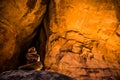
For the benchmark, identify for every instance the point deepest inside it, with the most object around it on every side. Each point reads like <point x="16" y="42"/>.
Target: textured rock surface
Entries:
<point x="19" y="20"/>
<point x="32" y="75"/>
<point x="83" y="36"/>
<point x="84" y="39"/>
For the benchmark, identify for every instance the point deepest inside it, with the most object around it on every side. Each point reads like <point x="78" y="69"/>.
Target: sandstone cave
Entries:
<point x="76" y="38"/>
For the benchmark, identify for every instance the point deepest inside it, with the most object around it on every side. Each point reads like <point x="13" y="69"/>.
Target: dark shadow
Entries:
<point x="39" y="42"/>
<point x="117" y="8"/>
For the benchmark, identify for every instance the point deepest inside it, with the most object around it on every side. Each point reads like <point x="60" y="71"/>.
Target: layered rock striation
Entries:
<point x="84" y="42"/>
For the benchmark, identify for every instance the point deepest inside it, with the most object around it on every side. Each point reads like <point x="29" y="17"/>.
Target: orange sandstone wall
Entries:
<point x="19" y="20"/>
<point x="84" y="40"/>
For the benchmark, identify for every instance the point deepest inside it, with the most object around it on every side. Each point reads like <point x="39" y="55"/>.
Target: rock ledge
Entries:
<point x="32" y="75"/>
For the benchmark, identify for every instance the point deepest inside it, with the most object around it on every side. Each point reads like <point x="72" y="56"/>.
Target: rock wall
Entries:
<point x="84" y="38"/>
<point x="19" y="20"/>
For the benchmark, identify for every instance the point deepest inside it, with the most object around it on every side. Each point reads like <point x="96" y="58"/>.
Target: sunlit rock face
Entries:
<point x="84" y="39"/>
<point x="19" y="20"/>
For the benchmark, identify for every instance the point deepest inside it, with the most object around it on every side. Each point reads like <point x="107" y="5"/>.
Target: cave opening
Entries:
<point x="39" y="42"/>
